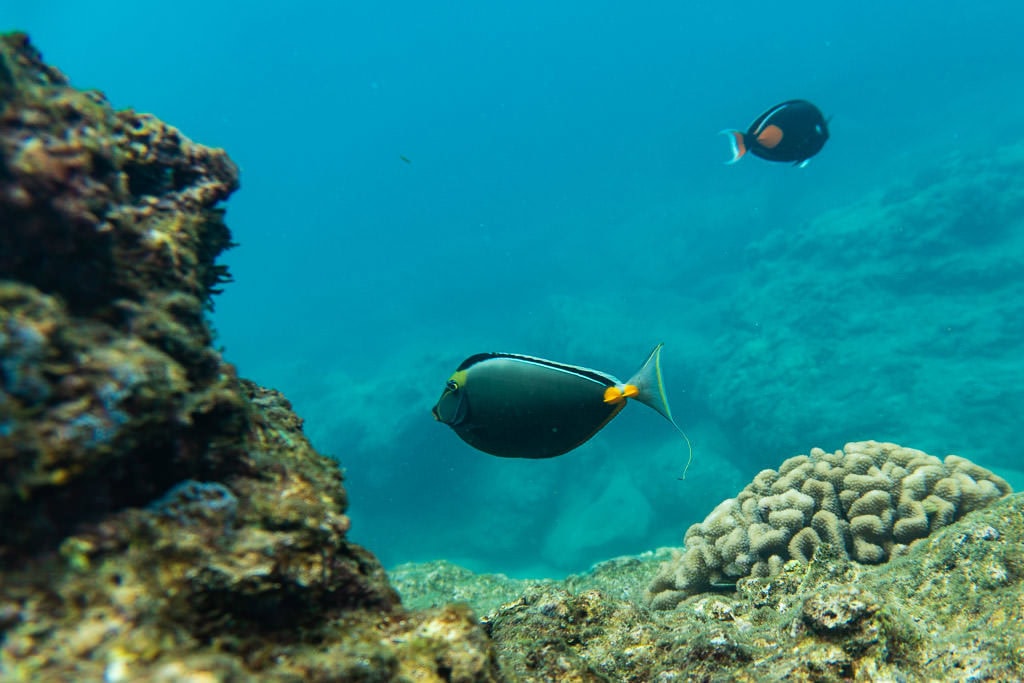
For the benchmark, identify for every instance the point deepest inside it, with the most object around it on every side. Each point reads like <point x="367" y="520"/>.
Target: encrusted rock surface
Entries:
<point x="110" y="390"/>
<point x="869" y="501"/>
<point x="163" y="520"/>
<point x="431" y="584"/>
<point x="948" y="609"/>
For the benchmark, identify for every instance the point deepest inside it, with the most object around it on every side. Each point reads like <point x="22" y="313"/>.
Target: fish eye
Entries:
<point x="452" y="385"/>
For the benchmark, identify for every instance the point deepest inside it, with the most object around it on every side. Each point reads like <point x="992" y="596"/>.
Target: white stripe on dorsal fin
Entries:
<point x="602" y="378"/>
<point x="766" y="117"/>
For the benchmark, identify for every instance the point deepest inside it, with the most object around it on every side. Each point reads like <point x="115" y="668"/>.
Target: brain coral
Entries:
<point x="870" y="500"/>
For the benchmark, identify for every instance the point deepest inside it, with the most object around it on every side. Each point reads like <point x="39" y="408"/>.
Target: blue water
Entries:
<point x="564" y="196"/>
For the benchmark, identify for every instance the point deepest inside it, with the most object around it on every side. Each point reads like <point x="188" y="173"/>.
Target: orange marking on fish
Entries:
<point x="613" y="395"/>
<point x="770" y="137"/>
<point x="740" y="147"/>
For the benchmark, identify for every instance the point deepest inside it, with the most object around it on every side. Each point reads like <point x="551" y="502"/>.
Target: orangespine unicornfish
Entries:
<point x="793" y="131"/>
<point x="517" y="406"/>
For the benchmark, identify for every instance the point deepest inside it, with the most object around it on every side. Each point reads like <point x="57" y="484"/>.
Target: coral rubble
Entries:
<point x="162" y="518"/>
<point x="868" y="501"/>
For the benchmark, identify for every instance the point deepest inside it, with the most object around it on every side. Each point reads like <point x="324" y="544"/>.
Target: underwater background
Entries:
<point x="421" y="183"/>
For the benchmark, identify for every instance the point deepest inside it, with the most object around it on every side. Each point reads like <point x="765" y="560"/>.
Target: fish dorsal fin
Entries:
<point x="593" y="375"/>
<point x="650" y="390"/>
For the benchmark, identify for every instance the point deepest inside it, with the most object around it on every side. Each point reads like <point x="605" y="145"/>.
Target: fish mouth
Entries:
<point x="450" y="408"/>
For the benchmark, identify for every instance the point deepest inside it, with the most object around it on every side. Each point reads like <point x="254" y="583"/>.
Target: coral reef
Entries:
<point x="162" y="518"/>
<point x="947" y="609"/>
<point x="868" y="501"/>
<point x="897" y="313"/>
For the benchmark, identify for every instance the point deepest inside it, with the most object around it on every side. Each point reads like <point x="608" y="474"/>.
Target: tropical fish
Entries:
<point x="517" y="406"/>
<point x="792" y="131"/>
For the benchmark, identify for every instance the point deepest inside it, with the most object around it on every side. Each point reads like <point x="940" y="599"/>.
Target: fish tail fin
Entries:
<point x="647" y="386"/>
<point x="737" y="143"/>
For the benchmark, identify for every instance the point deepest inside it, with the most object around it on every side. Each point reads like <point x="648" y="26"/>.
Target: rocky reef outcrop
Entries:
<point x="162" y="519"/>
<point x="947" y="609"/>
<point x="111" y="391"/>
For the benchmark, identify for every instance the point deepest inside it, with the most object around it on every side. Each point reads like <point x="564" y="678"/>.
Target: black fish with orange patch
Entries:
<point x="793" y="131"/>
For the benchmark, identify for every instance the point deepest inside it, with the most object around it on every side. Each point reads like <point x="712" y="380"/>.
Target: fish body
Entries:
<point x="517" y="406"/>
<point x="793" y="131"/>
